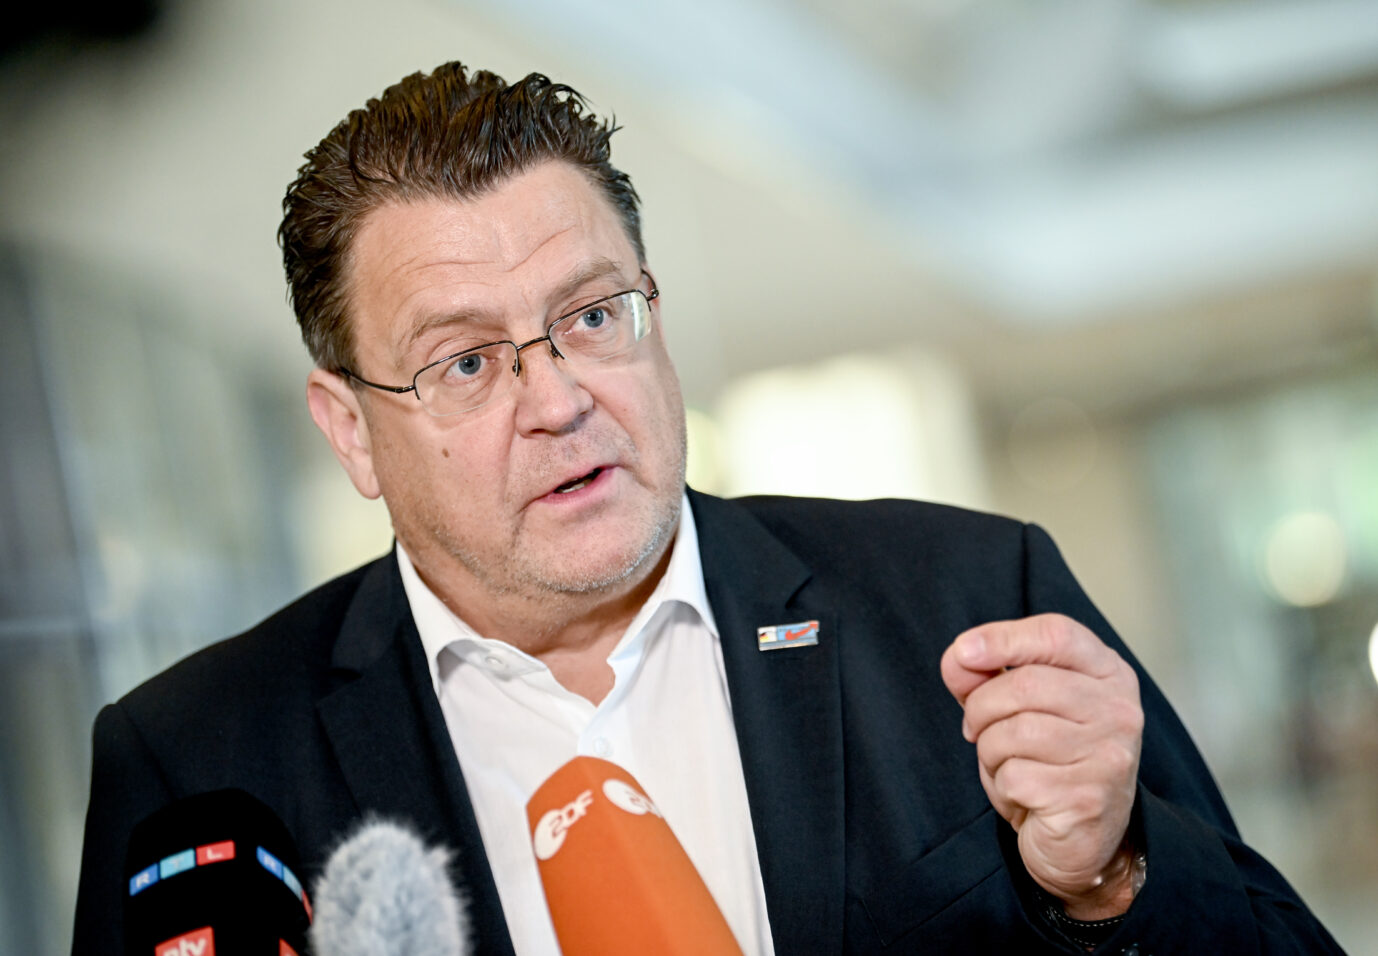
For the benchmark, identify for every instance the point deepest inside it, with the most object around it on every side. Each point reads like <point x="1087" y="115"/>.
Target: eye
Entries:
<point x="593" y="319"/>
<point x="466" y="366"/>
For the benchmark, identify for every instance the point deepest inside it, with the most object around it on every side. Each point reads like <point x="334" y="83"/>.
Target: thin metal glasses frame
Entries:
<point x="555" y="352"/>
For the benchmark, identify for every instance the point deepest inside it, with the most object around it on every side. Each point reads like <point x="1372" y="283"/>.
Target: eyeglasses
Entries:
<point x="592" y="333"/>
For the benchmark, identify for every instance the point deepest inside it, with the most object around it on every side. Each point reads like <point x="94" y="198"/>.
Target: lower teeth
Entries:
<point x="575" y="486"/>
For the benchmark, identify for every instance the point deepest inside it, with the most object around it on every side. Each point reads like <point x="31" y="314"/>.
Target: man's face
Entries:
<point x="473" y="497"/>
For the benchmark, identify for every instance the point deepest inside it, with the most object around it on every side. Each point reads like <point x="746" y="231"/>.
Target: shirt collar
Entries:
<point x="441" y="628"/>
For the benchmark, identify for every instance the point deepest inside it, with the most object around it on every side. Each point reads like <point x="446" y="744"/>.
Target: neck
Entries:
<point x="572" y="633"/>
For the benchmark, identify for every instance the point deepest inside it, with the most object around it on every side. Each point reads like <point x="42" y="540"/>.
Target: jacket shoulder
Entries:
<point x="894" y="535"/>
<point x="276" y="659"/>
<point x="780" y="512"/>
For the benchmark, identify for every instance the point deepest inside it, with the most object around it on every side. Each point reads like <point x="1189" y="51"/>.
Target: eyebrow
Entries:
<point x="581" y="275"/>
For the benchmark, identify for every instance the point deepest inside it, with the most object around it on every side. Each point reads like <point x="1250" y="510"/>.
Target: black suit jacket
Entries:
<point x="872" y="828"/>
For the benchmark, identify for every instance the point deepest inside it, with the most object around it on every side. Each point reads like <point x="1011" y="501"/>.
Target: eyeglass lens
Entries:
<point x="471" y="379"/>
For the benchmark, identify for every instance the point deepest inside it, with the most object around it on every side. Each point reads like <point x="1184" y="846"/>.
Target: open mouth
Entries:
<point x="578" y="483"/>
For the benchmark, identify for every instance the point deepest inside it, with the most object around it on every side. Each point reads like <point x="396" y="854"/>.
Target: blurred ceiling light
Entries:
<point x="1373" y="652"/>
<point x="1304" y="559"/>
<point x="853" y="427"/>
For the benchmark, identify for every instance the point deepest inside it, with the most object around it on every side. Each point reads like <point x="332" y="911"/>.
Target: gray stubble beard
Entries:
<point x="509" y="577"/>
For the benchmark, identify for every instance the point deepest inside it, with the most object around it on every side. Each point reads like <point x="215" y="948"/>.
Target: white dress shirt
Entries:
<point x="667" y="720"/>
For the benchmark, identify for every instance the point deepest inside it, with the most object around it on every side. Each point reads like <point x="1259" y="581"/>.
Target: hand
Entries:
<point x="1057" y="724"/>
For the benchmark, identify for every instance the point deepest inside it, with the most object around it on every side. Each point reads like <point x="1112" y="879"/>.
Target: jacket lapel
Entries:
<point x="786" y="706"/>
<point x="391" y="742"/>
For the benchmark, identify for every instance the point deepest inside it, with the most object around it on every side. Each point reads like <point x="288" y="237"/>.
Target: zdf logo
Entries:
<point x="552" y="827"/>
<point x="627" y="797"/>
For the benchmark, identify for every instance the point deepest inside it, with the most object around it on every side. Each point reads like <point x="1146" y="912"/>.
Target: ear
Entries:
<point x="657" y="301"/>
<point x="337" y="413"/>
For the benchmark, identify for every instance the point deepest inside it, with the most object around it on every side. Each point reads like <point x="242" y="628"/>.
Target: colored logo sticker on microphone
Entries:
<point x="199" y="942"/>
<point x="214" y="852"/>
<point x="291" y="880"/>
<point x="143" y="879"/>
<point x="776" y="636"/>
<point x="270" y="863"/>
<point x="180" y="863"/>
<point x="177" y="863"/>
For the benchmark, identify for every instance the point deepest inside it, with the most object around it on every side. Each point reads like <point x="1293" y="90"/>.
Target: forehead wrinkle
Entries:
<point x="408" y="339"/>
<point x="532" y="253"/>
<point x="598" y="268"/>
<point x="414" y="265"/>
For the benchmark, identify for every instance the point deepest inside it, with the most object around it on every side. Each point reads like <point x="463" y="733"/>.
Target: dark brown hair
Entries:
<point x="449" y="134"/>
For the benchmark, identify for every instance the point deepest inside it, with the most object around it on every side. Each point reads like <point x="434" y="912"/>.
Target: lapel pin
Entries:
<point x="776" y="636"/>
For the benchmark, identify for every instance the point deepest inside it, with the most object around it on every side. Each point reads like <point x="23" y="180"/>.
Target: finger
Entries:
<point x="1021" y="789"/>
<point x="1043" y="738"/>
<point x="1051" y="639"/>
<point x="1012" y="812"/>
<point x="1033" y="788"/>
<point x="960" y="679"/>
<point x="971" y="660"/>
<point x="1035" y="687"/>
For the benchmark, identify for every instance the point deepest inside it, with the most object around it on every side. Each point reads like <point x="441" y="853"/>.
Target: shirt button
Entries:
<point x="602" y="747"/>
<point x="495" y="662"/>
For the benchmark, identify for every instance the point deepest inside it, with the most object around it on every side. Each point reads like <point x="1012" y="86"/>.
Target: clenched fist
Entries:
<point x="1057" y="724"/>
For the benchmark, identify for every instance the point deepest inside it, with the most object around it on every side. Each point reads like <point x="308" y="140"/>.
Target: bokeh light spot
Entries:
<point x="1304" y="558"/>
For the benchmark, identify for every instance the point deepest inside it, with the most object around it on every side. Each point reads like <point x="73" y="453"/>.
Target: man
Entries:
<point x="468" y="272"/>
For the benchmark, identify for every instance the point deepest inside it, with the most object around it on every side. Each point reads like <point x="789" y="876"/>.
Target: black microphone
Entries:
<point x="214" y="873"/>
<point x="385" y="893"/>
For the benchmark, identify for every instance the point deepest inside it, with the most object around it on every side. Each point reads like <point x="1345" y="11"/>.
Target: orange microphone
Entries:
<point x="616" y="879"/>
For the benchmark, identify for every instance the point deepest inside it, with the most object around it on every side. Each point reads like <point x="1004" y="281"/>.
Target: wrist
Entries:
<point x="1113" y="890"/>
<point x="1088" y="921"/>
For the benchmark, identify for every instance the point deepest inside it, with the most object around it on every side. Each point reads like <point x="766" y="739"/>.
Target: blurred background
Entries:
<point x="1107" y="265"/>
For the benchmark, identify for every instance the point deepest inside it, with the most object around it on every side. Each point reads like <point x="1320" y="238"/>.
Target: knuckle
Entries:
<point x="1127" y="674"/>
<point x="1022" y="683"/>
<point x="1120" y="761"/>
<point x="1018" y="780"/>
<point x="987" y="750"/>
<point x="1086" y="802"/>
<point x="1115" y="761"/>
<point x="977" y="708"/>
<point x="1020" y="733"/>
<point x="1057" y="630"/>
<point x="1027" y="731"/>
<point x="1135" y="720"/>
<point x="1127" y="715"/>
<point x="1011" y="781"/>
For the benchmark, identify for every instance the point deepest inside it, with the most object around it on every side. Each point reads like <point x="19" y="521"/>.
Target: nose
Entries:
<point x="550" y="397"/>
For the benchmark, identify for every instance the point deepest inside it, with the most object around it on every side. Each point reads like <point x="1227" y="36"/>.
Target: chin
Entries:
<point x="592" y="569"/>
<point x="608" y="573"/>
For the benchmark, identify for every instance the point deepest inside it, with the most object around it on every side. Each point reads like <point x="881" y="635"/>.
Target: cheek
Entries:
<point x="413" y="461"/>
<point x="668" y="400"/>
<point x="653" y="387"/>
